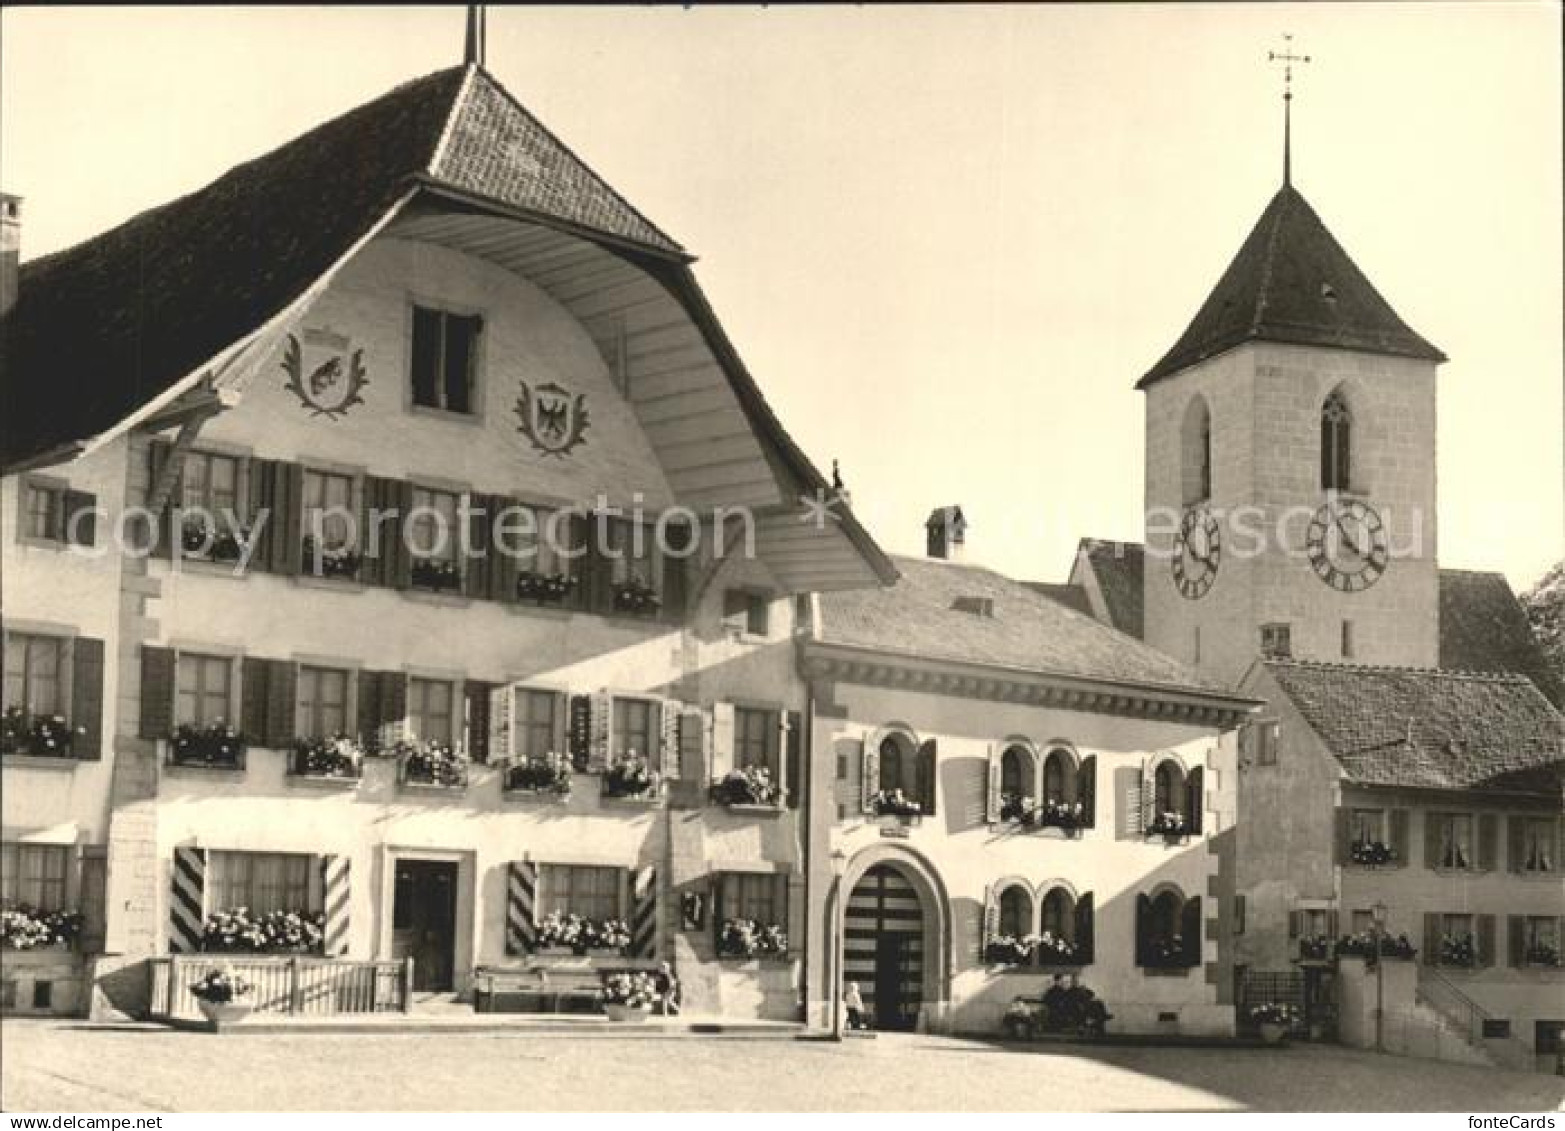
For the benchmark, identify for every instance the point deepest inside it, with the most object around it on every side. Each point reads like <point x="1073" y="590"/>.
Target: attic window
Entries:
<point x="978" y="606"/>
<point x="1328" y="293"/>
<point x="444" y="359"/>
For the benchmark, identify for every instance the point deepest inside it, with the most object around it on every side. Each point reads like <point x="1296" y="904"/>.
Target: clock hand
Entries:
<point x="1346" y="537"/>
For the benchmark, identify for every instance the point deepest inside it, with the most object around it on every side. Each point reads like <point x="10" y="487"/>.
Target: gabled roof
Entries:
<point x="1483" y="628"/>
<point x="924" y="615"/>
<point x="1292" y="282"/>
<point x="1422" y="728"/>
<point x="1118" y="568"/>
<point x="103" y="327"/>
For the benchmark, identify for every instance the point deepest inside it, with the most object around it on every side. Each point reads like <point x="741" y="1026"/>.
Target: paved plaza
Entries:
<point x="73" y="1066"/>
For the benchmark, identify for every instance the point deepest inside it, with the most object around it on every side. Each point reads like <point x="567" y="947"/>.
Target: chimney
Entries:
<point x="946" y="533"/>
<point x="10" y="249"/>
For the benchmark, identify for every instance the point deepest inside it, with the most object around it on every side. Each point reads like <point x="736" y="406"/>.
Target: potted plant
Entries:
<point x="1067" y="815"/>
<point x="329" y="561"/>
<point x="749" y="938"/>
<point x="545" y="588"/>
<point x="214" y="745"/>
<point x="199" y="538"/>
<point x="42" y="736"/>
<point x="1016" y="808"/>
<point x="1459" y="950"/>
<point x="339" y="756"/>
<point x="238" y="931"/>
<point x="1543" y="954"/>
<point x="608" y="938"/>
<point x="220" y="996"/>
<point x="748" y="785"/>
<point x="434" y="763"/>
<point x="629" y="776"/>
<point x="1168" y="824"/>
<point x="1274" y="1020"/>
<point x="1008" y="950"/>
<point x="895" y="803"/>
<point x="435" y="574"/>
<point x="629" y="995"/>
<point x="1371" y="853"/>
<point x="546" y="773"/>
<point x="1055" y="950"/>
<point x="635" y="596"/>
<point x="24" y="927"/>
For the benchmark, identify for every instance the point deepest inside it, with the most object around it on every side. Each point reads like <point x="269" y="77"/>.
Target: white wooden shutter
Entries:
<point x="992" y="791"/>
<point x="990" y="928"/>
<point x="671" y="721"/>
<point x="1148" y="798"/>
<point x="598" y="743"/>
<point x="692" y="744"/>
<point x="869" y="777"/>
<point x="722" y="740"/>
<point x="502" y="718"/>
<point x="782" y="755"/>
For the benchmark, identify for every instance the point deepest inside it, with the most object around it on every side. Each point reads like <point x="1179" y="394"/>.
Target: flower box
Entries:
<point x="1017" y="809"/>
<point x="1315" y="948"/>
<point x="636" y="597"/>
<point x="338" y="758"/>
<point x="630" y="778"/>
<point x="1362" y="945"/>
<point x="1460" y="951"/>
<point x="239" y="931"/>
<point x="1054" y="950"/>
<point x="895" y="803"/>
<point x="23" y="927"/>
<point x="578" y="935"/>
<point x="338" y="562"/>
<point x="748" y="786"/>
<point x="37" y="736"/>
<point x="214" y="746"/>
<point x="546" y="589"/>
<point x="1371" y="854"/>
<point x="1170" y="825"/>
<point x="548" y="775"/>
<point x="1542" y="954"/>
<point x="748" y="938"/>
<point x="203" y="541"/>
<point x="435" y="574"/>
<point x="430" y="763"/>
<point x="1069" y="816"/>
<point x="1273" y="1020"/>
<point x="1008" y="950"/>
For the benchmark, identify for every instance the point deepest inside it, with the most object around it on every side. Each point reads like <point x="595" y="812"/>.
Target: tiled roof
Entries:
<point x="1425" y="728"/>
<point x="1071" y="596"/>
<point x="1027" y="631"/>
<point x="1483" y="628"/>
<point x="1118" y="567"/>
<point x="101" y="328"/>
<point x="1292" y="282"/>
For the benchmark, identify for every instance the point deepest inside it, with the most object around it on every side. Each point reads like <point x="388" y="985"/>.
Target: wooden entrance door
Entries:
<point x="423" y="921"/>
<point x="883" y="947"/>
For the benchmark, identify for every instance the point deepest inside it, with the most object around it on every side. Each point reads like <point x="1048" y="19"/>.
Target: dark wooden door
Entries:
<point x="893" y="971"/>
<point x="424" y="921"/>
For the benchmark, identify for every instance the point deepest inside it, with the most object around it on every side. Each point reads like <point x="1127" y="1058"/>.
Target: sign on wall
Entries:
<point x="551" y="417"/>
<point x="324" y="372"/>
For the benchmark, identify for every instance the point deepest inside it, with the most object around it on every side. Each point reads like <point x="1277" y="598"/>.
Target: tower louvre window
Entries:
<point x="1336" y="443"/>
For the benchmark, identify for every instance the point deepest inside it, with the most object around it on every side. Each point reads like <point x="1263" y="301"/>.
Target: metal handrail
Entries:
<point x="1462" y="1010"/>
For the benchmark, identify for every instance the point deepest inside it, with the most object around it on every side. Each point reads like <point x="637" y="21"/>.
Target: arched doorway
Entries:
<point x="885" y="942"/>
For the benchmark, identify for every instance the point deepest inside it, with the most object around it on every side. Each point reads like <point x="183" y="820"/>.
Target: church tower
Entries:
<point x="1290" y="465"/>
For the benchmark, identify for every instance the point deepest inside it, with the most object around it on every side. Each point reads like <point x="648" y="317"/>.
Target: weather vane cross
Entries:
<point x="1287" y="58"/>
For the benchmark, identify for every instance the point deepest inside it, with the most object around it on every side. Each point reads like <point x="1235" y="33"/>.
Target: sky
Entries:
<point x="947" y="241"/>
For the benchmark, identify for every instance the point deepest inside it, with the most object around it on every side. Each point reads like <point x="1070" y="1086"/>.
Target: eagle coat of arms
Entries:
<point x="324" y="373"/>
<point x="551" y="417"/>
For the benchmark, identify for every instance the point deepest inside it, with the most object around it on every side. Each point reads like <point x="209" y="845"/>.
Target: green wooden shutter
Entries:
<point x="1344" y="838"/>
<point x="159" y="453"/>
<point x="722" y="740"/>
<point x="675" y="571"/>
<point x="602" y="720"/>
<point x="1087" y="790"/>
<point x="277" y="495"/>
<point x="1515" y="842"/>
<point x="478" y="554"/>
<point x="869" y="777"/>
<point x="1431" y="840"/>
<point x="157" y="692"/>
<point x="87" y="697"/>
<point x="369" y="709"/>
<point x="989" y="927"/>
<point x="580" y="735"/>
<point x="692" y="745"/>
<point x="505" y="545"/>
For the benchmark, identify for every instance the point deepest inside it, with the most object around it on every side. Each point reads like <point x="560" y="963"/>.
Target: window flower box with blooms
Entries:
<point x="238" y="931"/>
<point x="435" y="574"/>
<point x="1055" y="950"/>
<point x="895" y="803"/>
<point x="1167" y="954"/>
<point x="1543" y="954"/>
<point x="41" y="736"/>
<point x="546" y="774"/>
<point x="636" y="596"/>
<point x="629" y="777"/>
<point x="200" y="539"/>
<point x="1169" y="824"/>
<point x="1362" y="945"/>
<point x="561" y="931"/>
<point x="1372" y="854"/>
<point x="432" y="763"/>
<point x="337" y="758"/>
<point x="748" y="938"/>
<point x="629" y="994"/>
<point x="545" y="588"/>
<point x="1016" y="808"/>
<point x="215" y="746"/>
<point x="1008" y="950"/>
<point x="23" y="927"/>
<point x="1067" y="815"/>
<point x="747" y="786"/>
<point x="1458" y="950"/>
<point x="339" y="562"/>
<point x="1314" y="948"/>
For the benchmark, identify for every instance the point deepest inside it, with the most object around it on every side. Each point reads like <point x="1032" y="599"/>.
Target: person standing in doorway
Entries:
<point x="854" y="1004"/>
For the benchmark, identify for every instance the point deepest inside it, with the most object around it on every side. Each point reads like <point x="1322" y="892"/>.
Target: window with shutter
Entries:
<point x="869" y="776"/>
<point x="723" y="728"/>
<point x="476" y="700"/>
<point x="157" y="692"/>
<point x="600" y="734"/>
<point x="928" y="775"/>
<point x="55" y="515"/>
<point x="1087" y="791"/>
<point x="86" y="714"/>
<point x="502" y="718"/>
<point x="692" y="744"/>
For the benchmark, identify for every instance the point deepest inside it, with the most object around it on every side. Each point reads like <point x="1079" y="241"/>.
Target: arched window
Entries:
<point x="898" y="766"/>
<point x="1170" y="788"/>
<point x="1167" y="909"/>
<point x="1016" y="772"/>
<point x="1015" y="912"/>
<point x="1059" y="915"/>
<point x="1058" y="770"/>
<point x="1336" y="443"/>
<point x="1196" y="451"/>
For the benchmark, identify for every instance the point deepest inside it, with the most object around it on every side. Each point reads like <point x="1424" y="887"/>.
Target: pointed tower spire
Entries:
<point x="1287" y="58"/>
<point x="474" y="51"/>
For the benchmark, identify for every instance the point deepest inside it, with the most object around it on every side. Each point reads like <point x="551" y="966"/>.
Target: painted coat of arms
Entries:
<point x="551" y="417"/>
<point x="324" y="372"/>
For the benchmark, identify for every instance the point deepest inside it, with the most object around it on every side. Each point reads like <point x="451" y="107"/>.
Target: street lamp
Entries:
<point x="1378" y="914"/>
<point x="839" y="867"/>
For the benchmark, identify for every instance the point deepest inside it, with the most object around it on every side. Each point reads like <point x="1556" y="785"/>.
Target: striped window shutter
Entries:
<point x="598" y="744"/>
<point x="187" y="901"/>
<point x="502" y="741"/>
<point x="793" y="761"/>
<point x="334" y="895"/>
<point x="521" y="907"/>
<point x="1087" y="790"/>
<point x="644" y="912"/>
<point x="671" y="719"/>
<point x="281" y="704"/>
<point x="722" y="740"/>
<point x="1195" y="792"/>
<point x="1084" y="929"/>
<point x="157" y="692"/>
<point x="87" y="697"/>
<point x="692" y="744"/>
<point x="869" y="777"/>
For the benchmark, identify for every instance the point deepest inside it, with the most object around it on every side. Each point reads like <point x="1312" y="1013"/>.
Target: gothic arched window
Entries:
<point x="1196" y="447"/>
<point x="1336" y="443"/>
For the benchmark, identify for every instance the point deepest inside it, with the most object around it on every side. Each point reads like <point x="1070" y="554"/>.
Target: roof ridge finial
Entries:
<point x="1287" y="58"/>
<point x="473" y="54"/>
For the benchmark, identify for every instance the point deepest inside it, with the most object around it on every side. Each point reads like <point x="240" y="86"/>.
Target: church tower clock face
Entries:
<point x="1346" y="544"/>
<point x="1198" y="549"/>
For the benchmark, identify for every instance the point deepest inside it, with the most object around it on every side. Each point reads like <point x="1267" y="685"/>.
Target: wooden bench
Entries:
<point x="536" y="989"/>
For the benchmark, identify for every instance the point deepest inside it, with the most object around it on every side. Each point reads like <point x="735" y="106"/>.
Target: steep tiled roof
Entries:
<point x="1071" y="596"/>
<point x="1027" y="631"/>
<point x="1483" y="628"/>
<point x="1425" y="728"/>
<point x="1292" y="282"/>
<point x="1118" y="567"/>
<point x="101" y="328"/>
